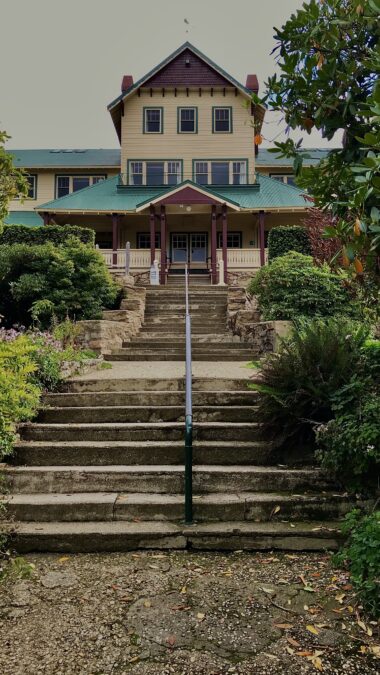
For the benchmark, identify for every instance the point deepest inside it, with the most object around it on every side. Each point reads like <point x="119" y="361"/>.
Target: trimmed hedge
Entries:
<point x="292" y="287"/>
<point x="283" y="239"/>
<point x="35" y="236"/>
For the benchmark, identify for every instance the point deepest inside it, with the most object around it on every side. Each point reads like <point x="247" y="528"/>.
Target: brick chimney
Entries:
<point x="126" y="82"/>
<point x="252" y="83"/>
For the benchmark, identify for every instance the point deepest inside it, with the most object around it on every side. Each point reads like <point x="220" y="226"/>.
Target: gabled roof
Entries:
<point x="105" y="197"/>
<point x="67" y="159"/>
<point x="115" y="106"/>
<point x="189" y="192"/>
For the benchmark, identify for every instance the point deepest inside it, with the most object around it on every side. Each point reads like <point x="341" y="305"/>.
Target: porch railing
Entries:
<point x="237" y="258"/>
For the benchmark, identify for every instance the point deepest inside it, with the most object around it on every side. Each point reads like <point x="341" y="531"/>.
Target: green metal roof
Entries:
<point x="266" y="158"/>
<point x="30" y="218"/>
<point x="64" y="158"/>
<point x="106" y="197"/>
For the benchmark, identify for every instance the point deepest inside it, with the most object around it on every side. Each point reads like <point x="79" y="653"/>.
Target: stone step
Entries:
<point x="244" y="506"/>
<point x="146" y="413"/>
<point x="149" y="398"/>
<point x="162" y="479"/>
<point x="135" y="355"/>
<point x="120" y="384"/>
<point x="179" y="343"/>
<point x="196" y="317"/>
<point x="139" y="431"/>
<point x="125" y="536"/>
<point x="179" y="329"/>
<point x="163" y="339"/>
<point x="103" y="453"/>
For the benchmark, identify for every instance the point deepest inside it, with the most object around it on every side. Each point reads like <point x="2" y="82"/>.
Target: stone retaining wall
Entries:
<point x="116" y="326"/>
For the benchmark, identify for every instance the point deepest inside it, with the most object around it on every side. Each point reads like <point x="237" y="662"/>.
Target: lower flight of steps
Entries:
<point x="102" y="469"/>
<point x="162" y="337"/>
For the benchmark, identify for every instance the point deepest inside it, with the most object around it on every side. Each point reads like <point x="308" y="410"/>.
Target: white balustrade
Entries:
<point x="140" y="257"/>
<point x="242" y="258"/>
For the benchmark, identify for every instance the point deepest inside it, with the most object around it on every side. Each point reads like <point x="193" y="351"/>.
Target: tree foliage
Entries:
<point x="287" y="238"/>
<point x="324" y="249"/>
<point x="12" y="180"/>
<point x="329" y="62"/>
<point x="57" y="234"/>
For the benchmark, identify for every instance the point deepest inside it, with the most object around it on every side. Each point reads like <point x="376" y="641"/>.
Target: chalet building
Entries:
<point x="188" y="183"/>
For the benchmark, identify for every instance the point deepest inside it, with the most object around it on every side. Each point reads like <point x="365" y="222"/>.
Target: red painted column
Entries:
<point x="163" y="246"/>
<point x="224" y="240"/>
<point x="262" y="237"/>
<point x="152" y="221"/>
<point x="115" y="237"/>
<point x="46" y="218"/>
<point x="213" y="245"/>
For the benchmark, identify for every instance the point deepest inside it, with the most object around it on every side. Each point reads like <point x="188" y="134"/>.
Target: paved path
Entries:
<point x="177" y="613"/>
<point x="170" y="369"/>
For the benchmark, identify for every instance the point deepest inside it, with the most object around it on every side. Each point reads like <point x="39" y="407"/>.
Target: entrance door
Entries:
<point x="179" y="248"/>
<point x="198" y="247"/>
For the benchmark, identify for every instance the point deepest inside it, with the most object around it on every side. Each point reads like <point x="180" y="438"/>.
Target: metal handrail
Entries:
<point x="188" y="412"/>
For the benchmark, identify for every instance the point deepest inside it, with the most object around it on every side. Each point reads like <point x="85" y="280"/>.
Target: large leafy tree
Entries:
<point x="329" y="60"/>
<point x="13" y="182"/>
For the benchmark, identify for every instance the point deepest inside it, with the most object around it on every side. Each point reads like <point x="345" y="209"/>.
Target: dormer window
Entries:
<point x="222" y="120"/>
<point x="187" y="120"/>
<point x="153" y="121"/>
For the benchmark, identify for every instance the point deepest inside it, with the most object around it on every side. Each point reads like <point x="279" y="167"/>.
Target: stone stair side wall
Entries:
<point x="116" y="326"/>
<point x="244" y="321"/>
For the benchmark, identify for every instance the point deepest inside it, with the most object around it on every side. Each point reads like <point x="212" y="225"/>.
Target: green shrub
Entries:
<point x="299" y="383"/>
<point x="19" y="395"/>
<point x="349" y="444"/>
<point x="283" y="239"/>
<point x="35" y="236"/>
<point x="362" y="556"/>
<point x="292" y="286"/>
<point x="46" y="282"/>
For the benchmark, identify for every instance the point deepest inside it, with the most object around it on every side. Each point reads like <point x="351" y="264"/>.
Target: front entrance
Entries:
<point x="190" y="248"/>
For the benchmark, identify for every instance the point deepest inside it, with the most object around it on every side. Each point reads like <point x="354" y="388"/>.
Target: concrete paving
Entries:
<point x="170" y="369"/>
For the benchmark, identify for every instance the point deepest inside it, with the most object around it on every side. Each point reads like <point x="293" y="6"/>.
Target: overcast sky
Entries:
<point x="61" y="61"/>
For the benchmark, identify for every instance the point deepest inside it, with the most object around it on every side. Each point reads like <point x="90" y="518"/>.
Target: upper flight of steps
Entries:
<point x="102" y="469"/>
<point x="162" y="337"/>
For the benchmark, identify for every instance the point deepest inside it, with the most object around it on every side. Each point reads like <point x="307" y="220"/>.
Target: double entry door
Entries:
<point x="189" y="247"/>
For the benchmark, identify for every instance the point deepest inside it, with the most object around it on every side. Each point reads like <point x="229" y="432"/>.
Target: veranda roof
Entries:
<point x="107" y="197"/>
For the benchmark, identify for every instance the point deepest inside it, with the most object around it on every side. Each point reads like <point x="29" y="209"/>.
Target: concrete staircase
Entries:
<point x="162" y="337"/>
<point x="102" y="467"/>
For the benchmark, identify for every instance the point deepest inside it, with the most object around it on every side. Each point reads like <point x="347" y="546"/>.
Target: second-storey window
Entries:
<point x="153" y="121"/>
<point x="187" y="120"/>
<point x="222" y="120"/>
<point x="32" y="186"/>
<point x="67" y="184"/>
<point x="287" y="178"/>
<point x="155" y="172"/>
<point x="220" y="172"/>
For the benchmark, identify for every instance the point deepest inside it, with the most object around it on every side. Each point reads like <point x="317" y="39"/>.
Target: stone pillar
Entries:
<point x="115" y="238"/>
<point x="262" y="237"/>
<point x="152" y="222"/>
<point x="224" y="240"/>
<point x="213" y="245"/>
<point x="163" y="246"/>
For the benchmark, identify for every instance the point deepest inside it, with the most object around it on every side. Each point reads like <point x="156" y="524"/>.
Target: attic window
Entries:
<point x="187" y="63"/>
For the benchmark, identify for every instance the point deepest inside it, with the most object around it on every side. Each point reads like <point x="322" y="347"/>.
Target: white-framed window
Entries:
<point x="233" y="240"/>
<point x="153" y="121"/>
<point x="220" y="172"/>
<point x="143" y="240"/>
<point x="222" y="120"/>
<point x="187" y="120"/>
<point x="155" y="172"/>
<point x="32" y="187"/>
<point x="288" y="178"/>
<point x="66" y="184"/>
<point x="136" y="174"/>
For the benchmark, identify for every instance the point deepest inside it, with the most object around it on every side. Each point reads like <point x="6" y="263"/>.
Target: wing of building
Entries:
<point x="188" y="184"/>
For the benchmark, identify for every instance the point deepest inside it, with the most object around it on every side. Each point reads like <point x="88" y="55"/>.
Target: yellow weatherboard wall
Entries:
<point x="173" y="145"/>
